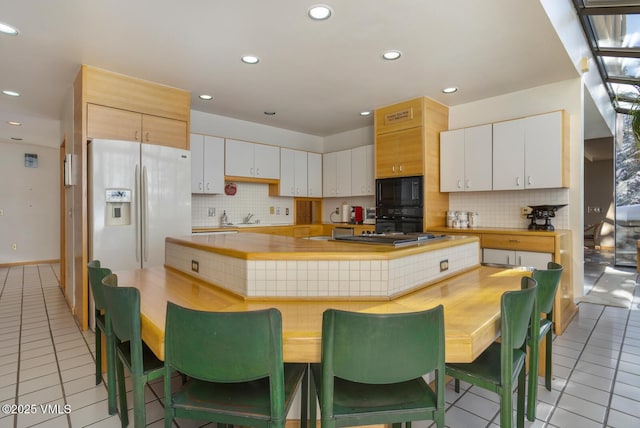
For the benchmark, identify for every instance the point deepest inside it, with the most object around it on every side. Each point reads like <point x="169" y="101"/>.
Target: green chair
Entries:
<point x="235" y="368"/>
<point x="548" y="281"/>
<point x="96" y="274"/>
<point x="123" y="319"/>
<point x="373" y="366"/>
<point x="502" y="364"/>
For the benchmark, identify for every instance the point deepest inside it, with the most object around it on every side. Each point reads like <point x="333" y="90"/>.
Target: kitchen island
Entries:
<point x="259" y="266"/>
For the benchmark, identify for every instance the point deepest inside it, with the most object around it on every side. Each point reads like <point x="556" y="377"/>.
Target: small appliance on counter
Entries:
<point x="358" y="214"/>
<point x="542" y="212"/>
<point x="370" y="215"/>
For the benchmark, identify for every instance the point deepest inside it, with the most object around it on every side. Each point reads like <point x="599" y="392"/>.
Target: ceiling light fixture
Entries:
<point x="8" y="29"/>
<point x="11" y="93"/>
<point x="450" y="90"/>
<point x="206" y="97"/>
<point x="319" y="12"/>
<point x="14" y="123"/>
<point x="270" y="113"/>
<point x="250" y="59"/>
<point x="16" y="138"/>
<point x="391" y="55"/>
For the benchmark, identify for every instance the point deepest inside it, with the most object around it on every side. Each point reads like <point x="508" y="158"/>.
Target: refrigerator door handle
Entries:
<point x="145" y="215"/>
<point x="138" y="206"/>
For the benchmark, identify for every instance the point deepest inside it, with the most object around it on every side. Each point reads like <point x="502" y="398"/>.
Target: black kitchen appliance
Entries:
<point x="542" y="212"/>
<point x="399" y="204"/>
<point x="395" y="239"/>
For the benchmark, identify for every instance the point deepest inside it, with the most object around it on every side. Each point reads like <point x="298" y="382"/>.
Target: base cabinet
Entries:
<point x="516" y="258"/>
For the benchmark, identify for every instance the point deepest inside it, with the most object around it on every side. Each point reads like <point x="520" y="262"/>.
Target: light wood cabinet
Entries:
<point x="207" y="164"/>
<point x="117" y="124"/>
<point x="532" y="152"/>
<point x="252" y="160"/>
<point x="399" y="154"/>
<point x="336" y="174"/>
<point x="363" y="182"/>
<point x="466" y="161"/>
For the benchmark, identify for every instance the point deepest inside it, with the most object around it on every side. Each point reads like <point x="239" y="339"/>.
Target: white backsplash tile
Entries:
<point x="250" y="198"/>
<point x="502" y="209"/>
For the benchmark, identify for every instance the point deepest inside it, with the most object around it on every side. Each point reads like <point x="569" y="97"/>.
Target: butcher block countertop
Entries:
<point x="471" y="303"/>
<point x="259" y="246"/>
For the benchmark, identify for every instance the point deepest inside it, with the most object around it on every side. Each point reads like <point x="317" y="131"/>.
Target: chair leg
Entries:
<point x="532" y="396"/>
<point x="122" y="392"/>
<point x="111" y="375"/>
<point x="456" y="385"/>
<point x="312" y="401"/>
<point x="547" y="368"/>
<point x="139" y="411"/>
<point x="506" y="406"/>
<point x="98" y="336"/>
<point x="304" y="405"/>
<point x="522" y="379"/>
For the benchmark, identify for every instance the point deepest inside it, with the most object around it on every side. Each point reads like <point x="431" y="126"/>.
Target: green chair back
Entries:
<point x="548" y="281"/>
<point x="124" y="309"/>
<point x="96" y="275"/>
<point x="516" y="312"/>
<point x="382" y="348"/>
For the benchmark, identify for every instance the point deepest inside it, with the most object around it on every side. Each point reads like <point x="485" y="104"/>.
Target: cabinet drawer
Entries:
<point x="543" y="244"/>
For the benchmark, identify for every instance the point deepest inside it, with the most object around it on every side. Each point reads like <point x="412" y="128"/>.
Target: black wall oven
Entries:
<point x="399" y="204"/>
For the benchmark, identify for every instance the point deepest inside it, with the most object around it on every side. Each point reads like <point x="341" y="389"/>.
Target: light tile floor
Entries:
<point x="47" y="366"/>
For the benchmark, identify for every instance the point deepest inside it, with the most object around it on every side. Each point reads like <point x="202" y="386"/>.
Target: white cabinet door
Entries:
<point x="287" y="175"/>
<point x="362" y="177"/>
<point x="239" y="158"/>
<point x="478" y="158"/>
<point x="300" y="173"/>
<point x="197" y="163"/>
<point x="343" y="173"/>
<point x="508" y="155"/>
<point x="314" y="175"/>
<point x="207" y="164"/>
<point x="329" y="174"/>
<point x="213" y="164"/>
<point x="516" y="258"/>
<point x="246" y="159"/>
<point x="266" y="161"/>
<point x="543" y="151"/>
<point x="452" y="161"/>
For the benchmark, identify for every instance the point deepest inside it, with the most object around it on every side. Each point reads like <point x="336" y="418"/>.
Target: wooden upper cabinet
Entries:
<point x="404" y="115"/>
<point x="399" y="153"/>
<point x="164" y="132"/>
<point x="113" y="124"/>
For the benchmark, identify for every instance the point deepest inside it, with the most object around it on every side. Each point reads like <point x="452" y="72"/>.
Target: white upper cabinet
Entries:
<point x="314" y="175"/>
<point x="529" y="153"/>
<point x="244" y="159"/>
<point x="466" y="162"/>
<point x="293" y="172"/>
<point x="336" y="174"/>
<point x="207" y="164"/>
<point x="362" y="174"/>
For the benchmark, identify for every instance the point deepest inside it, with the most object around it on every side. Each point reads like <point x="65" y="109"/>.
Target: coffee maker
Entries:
<point x="545" y="213"/>
<point x="358" y="215"/>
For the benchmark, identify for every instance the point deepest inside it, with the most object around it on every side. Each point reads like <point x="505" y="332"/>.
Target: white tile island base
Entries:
<point x="267" y="266"/>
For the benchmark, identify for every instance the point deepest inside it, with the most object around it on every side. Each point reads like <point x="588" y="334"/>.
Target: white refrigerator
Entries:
<point x="138" y="194"/>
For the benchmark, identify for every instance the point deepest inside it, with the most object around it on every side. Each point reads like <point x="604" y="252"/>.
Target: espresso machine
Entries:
<point x="544" y="213"/>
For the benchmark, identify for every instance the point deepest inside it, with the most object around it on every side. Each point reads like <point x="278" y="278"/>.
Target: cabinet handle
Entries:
<point x="208" y="186"/>
<point x="200" y="185"/>
<point x="518" y="181"/>
<point x="137" y="136"/>
<point x="257" y="172"/>
<point x="508" y="260"/>
<point x="393" y="168"/>
<point x="148" y="136"/>
<point x="529" y="180"/>
<point x="251" y="171"/>
<point x="400" y="167"/>
<point x="459" y="184"/>
<point x="519" y="260"/>
<point x="515" y="241"/>
<point x="468" y="184"/>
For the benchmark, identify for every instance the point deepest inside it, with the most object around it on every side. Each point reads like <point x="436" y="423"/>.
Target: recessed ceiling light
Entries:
<point x="270" y="113"/>
<point x="14" y="123"/>
<point x="391" y="55"/>
<point x="8" y="29"/>
<point x="250" y="59"/>
<point x="450" y="90"/>
<point x="206" y="97"/>
<point x="11" y="93"/>
<point x="319" y="12"/>
<point x="365" y="113"/>
<point x="16" y="138"/>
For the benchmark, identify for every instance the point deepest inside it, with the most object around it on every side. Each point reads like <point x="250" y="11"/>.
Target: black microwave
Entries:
<point x="399" y="192"/>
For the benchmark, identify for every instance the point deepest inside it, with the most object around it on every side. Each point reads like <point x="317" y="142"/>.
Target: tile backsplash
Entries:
<point x="250" y="198"/>
<point x="502" y="209"/>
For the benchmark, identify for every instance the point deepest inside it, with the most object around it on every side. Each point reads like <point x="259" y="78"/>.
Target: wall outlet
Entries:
<point x="1" y="211"/>
<point x="524" y="211"/>
<point x="212" y="212"/>
<point x="272" y="210"/>
<point x="277" y="210"/>
<point x="195" y="266"/>
<point x="444" y="265"/>
<point x="14" y="246"/>
<point x="337" y="210"/>
<point x="286" y="211"/>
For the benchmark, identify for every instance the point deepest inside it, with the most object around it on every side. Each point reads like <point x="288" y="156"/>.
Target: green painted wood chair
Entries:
<point x="502" y="365"/>
<point x="235" y="367"/>
<point x="96" y="274"/>
<point x="548" y="281"/>
<point x="373" y="366"/>
<point x="123" y="318"/>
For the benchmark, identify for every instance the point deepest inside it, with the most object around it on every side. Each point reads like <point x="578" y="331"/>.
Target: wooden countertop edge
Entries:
<point x="375" y="252"/>
<point x="498" y="231"/>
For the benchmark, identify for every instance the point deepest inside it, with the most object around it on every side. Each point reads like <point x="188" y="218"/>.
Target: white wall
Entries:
<point x="221" y="126"/>
<point x="567" y="95"/>
<point x="348" y="140"/>
<point x="29" y="198"/>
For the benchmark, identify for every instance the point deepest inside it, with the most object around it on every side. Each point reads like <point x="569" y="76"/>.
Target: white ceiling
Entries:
<point x="317" y="76"/>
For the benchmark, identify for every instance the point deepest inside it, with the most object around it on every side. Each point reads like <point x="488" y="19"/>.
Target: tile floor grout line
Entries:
<point x="15" y="417"/>
<point x="55" y="353"/>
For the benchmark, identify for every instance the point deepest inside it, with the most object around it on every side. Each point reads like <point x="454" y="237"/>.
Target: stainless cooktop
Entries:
<point x="395" y="239"/>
